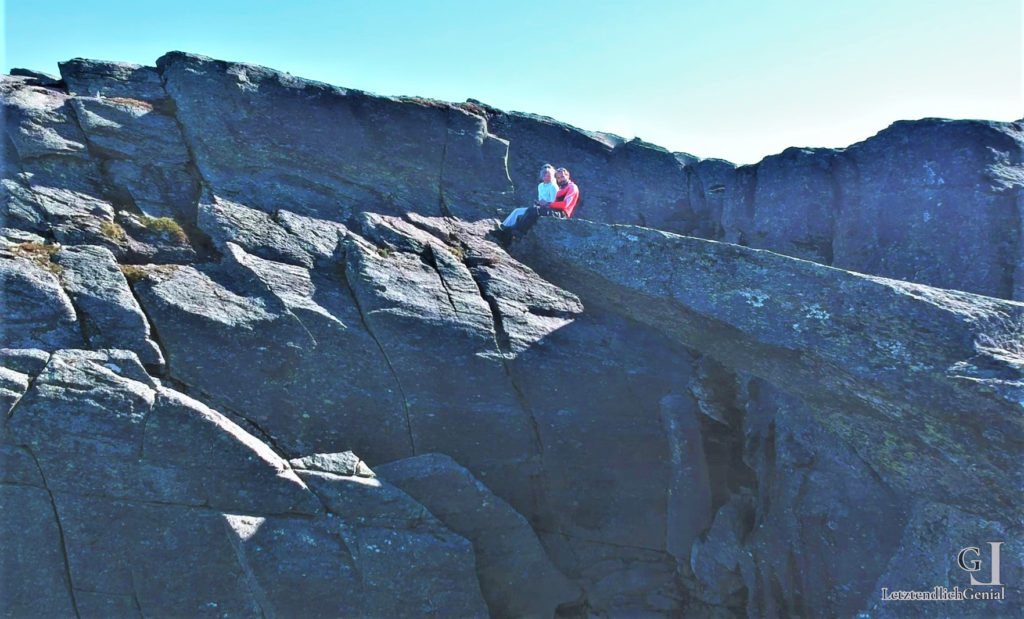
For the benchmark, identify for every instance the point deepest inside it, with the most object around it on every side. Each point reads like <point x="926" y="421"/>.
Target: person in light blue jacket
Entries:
<point x="546" y="191"/>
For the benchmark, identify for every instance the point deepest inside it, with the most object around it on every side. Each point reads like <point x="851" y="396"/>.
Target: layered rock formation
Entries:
<point x="261" y="357"/>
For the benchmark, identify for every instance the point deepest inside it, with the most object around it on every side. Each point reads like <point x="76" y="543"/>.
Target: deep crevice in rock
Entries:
<point x="502" y="340"/>
<point x="503" y="349"/>
<point x="430" y="259"/>
<point x="85" y="330"/>
<point x="201" y="241"/>
<point x="154" y="336"/>
<point x="502" y="343"/>
<point x="60" y="530"/>
<point x="442" y="204"/>
<point x="343" y="269"/>
<point x="723" y="450"/>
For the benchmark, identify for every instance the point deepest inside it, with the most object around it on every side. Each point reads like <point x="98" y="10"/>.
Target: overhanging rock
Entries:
<point x="919" y="380"/>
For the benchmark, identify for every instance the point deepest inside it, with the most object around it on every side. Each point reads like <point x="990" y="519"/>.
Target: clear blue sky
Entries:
<point x="732" y="79"/>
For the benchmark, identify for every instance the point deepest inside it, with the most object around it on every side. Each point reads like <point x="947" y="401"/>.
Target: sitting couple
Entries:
<point x="557" y="196"/>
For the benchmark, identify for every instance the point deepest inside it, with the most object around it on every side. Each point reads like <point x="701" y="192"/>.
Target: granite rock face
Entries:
<point x="37" y="311"/>
<point x="261" y="356"/>
<point x="165" y="505"/>
<point x="845" y="428"/>
<point x="252" y="148"/>
<point x="109" y="315"/>
<point x="919" y="356"/>
<point x="130" y="125"/>
<point x="933" y="201"/>
<point x="510" y="558"/>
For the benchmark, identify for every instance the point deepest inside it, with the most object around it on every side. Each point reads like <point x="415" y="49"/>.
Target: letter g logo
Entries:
<point x="975" y="564"/>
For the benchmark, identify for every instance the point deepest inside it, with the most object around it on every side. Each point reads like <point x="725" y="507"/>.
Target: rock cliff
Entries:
<point x="260" y="356"/>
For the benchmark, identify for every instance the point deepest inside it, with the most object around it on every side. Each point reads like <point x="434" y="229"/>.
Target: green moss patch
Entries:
<point x="166" y="227"/>
<point x="112" y="231"/>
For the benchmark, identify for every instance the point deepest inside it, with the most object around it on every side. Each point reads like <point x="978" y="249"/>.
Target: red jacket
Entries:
<point x="566" y="199"/>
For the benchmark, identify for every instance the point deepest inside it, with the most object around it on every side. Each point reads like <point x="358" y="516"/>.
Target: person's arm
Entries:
<point x="568" y="201"/>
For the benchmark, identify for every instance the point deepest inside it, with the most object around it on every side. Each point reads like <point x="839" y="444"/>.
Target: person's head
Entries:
<point x="562" y="177"/>
<point x="547" y="173"/>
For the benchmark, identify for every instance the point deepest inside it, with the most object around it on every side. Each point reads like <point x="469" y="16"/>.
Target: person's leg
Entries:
<point x="522" y="222"/>
<point x="526" y="221"/>
<point x="513" y="217"/>
<point x="520" y="226"/>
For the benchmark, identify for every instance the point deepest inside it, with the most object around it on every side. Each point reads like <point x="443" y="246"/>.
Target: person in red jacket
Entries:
<point x="562" y="206"/>
<point x="567" y="197"/>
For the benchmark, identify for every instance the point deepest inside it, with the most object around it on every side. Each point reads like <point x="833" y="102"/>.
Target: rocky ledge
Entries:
<point x="260" y="356"/>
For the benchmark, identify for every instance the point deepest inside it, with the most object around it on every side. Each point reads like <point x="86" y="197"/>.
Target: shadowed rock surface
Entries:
<point x="260" y="356"/>
<point x="510" y="558"/>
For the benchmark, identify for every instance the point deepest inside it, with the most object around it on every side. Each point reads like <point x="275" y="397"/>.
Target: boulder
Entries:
<point x="40" y="123"/>
<point x="344" y="463"/>
<point x="99" y="414"/>
<point x="40" y="78"/>
<point x="12" y="237"/>
<point x="318" y="237"/>
<point x="109" y="79"/>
